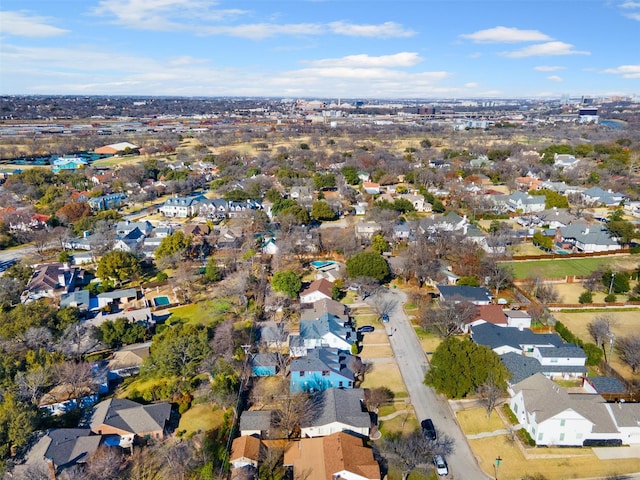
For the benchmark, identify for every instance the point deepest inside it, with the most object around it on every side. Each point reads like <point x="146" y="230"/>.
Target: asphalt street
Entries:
<point x="413" y="365"/>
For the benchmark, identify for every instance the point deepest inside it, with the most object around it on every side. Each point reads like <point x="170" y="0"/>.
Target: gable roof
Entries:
<point x="521" y="367"/>
<point x="245" y="447"/>
<point x="321" y="285"/>
<point x="491" y="314"/>
<point x="547" y="399"/>
<point x="129" y="416"/>
<point x="470" y="294"/>
<point x="319" y="359"/>
<point x="338" y="405"/>
<point x="323" y="458"/>
<point x="65" y="446"/>
<point x="324" y="325"/>
<point x="256" y="420"/>
<point x="494" y="337"/>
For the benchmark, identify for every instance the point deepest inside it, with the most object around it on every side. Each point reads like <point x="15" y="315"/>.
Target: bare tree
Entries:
<point x="375" y="397"/>
<point x="490" y="394"/>
<point x="629" y="350"/>
<point x="77" y="378"/>
<point x="600" y="330"/>
<point x="34" y="471"/>
<point x="446" y="318"/>
<point x="105" y="464"/>
<point x="292" y="410"/>
<point x="31" y="383"/>
<point x="409" y="451"/>
<point x="382" y="304"/>
<point x="366" y="286"/>
<point x="144" y="464"/>
<point x="499" y="274"/>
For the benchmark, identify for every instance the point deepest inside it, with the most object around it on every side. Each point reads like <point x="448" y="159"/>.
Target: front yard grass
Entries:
<point x="583" y="463"/>
<point x="404" y="424"/>
<point x="474" y="421"/>
<point x="209" y="312"/>
<point x="385" y="375"/>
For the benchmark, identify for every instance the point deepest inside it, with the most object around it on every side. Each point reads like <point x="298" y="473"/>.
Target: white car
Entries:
<point x="441" y="465"/>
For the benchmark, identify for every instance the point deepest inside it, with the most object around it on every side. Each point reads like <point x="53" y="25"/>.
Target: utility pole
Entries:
<point x="613" y="276"/>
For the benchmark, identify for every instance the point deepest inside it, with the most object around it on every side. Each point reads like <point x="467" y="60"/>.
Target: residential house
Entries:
<point x="402" y="232"/>
<point x="270" y="247"/>
<point x="243" y="209"/>
<point x="525" y="203"/>
<point x="552" y="416"/>
<point x="565" y="161"/>
<point x="51" y="280"/>
<point x="450" y="222"/>
<point x="303" y="195"/>
<point x="68" y="163"/>
<point x="318" y="290"/>
<point x="486" y="314"/>
<point x="118" y="297"/>
<point x="59" y="449"/>
<point x="456" y="293"/>
<point x="215" y="208"/>
<point x="418" y="202"/>
<point x="337" y="456"/>
<point x="246" y="452"/>
<point x="256" y="422"/>
<point x="272" y="335"/>
<point x="599" y="196"/>
<point x="507" y="339"/>
<point x="556" y="217"/>
<point x="320" y="369"/>
<point x="372" y="188"/>
<point x="106" y="202"/>
<point x="181" y="207"/>
<point x="585" y="237"/>
<point x="360" y="208"/>
<point x="127" y="361"/>
<point x="337" y="410"/>
<point x="126" y="421"/>
<point x="126" y="226"/>
<point x="264" y="364"/>
<point x="82" y="258"/>
<point x="367" y="229"/>
<point x="66" y="397"/>
<point x="610" y="388"/>
<point x="518" y="318"/>
<point x="626" y="417"/>
<point x="313" y="311"/>
<point x="80" y="299"/>
<point x="130" y="242"/>
<point x="327" y="331"/>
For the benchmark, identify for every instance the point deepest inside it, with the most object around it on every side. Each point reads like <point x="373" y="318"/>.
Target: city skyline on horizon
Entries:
<point x="403" y="50"/>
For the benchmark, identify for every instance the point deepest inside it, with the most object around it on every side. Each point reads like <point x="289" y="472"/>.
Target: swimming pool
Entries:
<point x="161" y="301"/>
<point x="322" y="263"/>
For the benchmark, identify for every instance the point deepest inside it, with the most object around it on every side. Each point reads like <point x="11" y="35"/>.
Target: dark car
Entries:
<point x="366" y="329"/>
<point x="385" y="317"/>
<point x="428" y="429"/>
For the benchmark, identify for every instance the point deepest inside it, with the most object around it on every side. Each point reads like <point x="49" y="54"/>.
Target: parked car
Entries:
<point x="428" y="429"/>
<point x="384" y="318"/>
<point x="366" y="329"/>
<point x="441" y="465"/>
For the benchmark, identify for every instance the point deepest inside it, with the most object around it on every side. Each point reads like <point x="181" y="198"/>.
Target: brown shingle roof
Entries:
<point x="322" y="285"/>
<point x="245" y="447"/>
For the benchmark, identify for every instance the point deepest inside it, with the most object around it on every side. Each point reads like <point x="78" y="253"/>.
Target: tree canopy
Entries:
<point x="171" y="244"/>
<point x="118" y="266"/>
<point x="287" y="282"/>
<point x="368" y="264"/>
<point x="178" y="351"/>
<point x="322" y="211"/>
<point x="460" y="367"/>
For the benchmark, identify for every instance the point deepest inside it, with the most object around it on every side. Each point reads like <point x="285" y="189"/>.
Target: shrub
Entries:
<point x="634" y="250"/>
<point x="355" y="349"/>
<point x="586" y="297"/>
<point x="610" y="298"/>
<point x="594" y="354"/>
<point x="526" y="438"/>
<point x="509" y="413"/>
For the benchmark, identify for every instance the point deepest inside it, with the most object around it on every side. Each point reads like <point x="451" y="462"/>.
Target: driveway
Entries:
<point x="413" y="365"/>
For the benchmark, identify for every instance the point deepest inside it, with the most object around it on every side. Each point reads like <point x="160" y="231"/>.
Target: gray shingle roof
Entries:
<point x="607" y="385"/>
<point x="130" y="416"/>
<point x="319" y="359"/>
<point x="339" y="405"/>
<point x="563" y="351"/>
<point x="66" y="446"/>
<point x="256" y="420"/>
<point x="521" y="367"/>
<point x="326" y="323"/>
<point x="470" y="294"/>
<point x="493" y="336"/>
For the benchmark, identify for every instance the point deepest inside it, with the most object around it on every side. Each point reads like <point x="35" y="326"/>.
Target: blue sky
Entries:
<point x="321" y="48"/>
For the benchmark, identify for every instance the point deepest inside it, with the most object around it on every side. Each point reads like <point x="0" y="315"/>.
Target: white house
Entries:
<point x="318" y="290"/>
<point x="181" y="207"/>
<point x="552" y="416"/>
<point x="518" y="318"/>
<point x="337" y="410"/>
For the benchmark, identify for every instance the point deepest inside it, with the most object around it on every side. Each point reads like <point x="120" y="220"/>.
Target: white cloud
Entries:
<point x="555" y="78"/>
<point x="403" y="59"/>
<point x="633" y="16"/>
<point x="506" y="35"/>
<point x="21" y="24"/>
<point x="384" y="30"/>
<point x="548" y="68"/>
<point x="472" y="85"/>
<point x="630" y="4"/>
<point x="259" y="31"/>
<point x="626" y="71"/>
<point x="163" y="15"/>
<point x="545" y="49"/>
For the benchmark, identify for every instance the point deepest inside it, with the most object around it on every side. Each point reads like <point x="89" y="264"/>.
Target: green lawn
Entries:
<point x="200" y="418"/>
<point x="207" y="313"/>
<point x="558" y="268"/>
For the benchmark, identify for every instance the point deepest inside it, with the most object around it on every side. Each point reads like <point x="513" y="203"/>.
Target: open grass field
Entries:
<point x="474" y="421"/>
<point x="626" y="323"/>
<point x="404" y="423"/>
<point x="207" y="313"/>
<point x="200" y="418"/>
<point x="571" y="463"/>
<point x="571" y="266"/>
